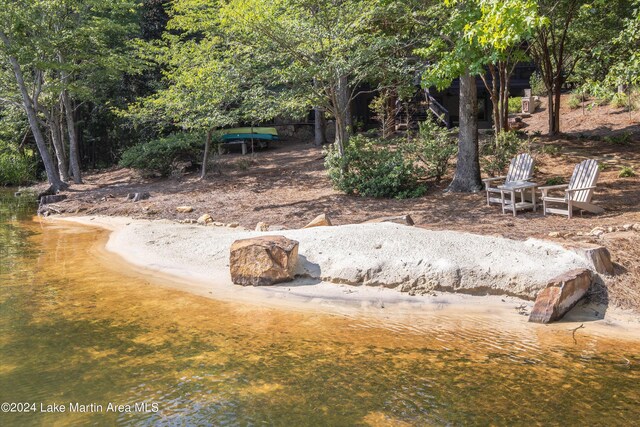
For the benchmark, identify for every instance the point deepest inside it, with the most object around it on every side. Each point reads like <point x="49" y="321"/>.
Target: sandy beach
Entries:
<point x="195" y="259"/>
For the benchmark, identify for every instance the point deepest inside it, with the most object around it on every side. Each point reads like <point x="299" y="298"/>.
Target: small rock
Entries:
<point x="17" y="194"/>
<point x="263" y="261"/>
<point x="555" y="234"/>
<point x="205" y="219"/>
<point x="399" y="219"/>
<point x="136" y="197"/>
<point x="611" y="229"/>
<point x="636" y="226"/>
<point x="320" y="221"/>
<point x="217" y="224"/>
<point x="184" y="209"/>
<point x="233" y="225"/>
<point x="262" y="226"/>
<point x="277" y="228"/>
<point x="598" y="231"/>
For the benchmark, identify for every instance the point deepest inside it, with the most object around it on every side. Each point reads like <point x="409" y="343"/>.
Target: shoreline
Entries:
<point x="389" y="306"/>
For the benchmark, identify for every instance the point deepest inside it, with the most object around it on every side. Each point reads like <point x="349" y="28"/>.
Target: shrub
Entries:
<point x="515" y="104"/>
<point x="626" y="172"/>
<point x="619" y="139"/>
<point x="620" y="100"/>
<point x="160" y="155"/>
<point x="556" y="180"/>
<point x="498" y="152"/>
<point x="370" y="168"/>
<point x="551" y="150"/>
<point x="435" y="146"/>
<point x="16" y="168"/>
<point x="575" y="101"/>
<point x="537" y="85"/>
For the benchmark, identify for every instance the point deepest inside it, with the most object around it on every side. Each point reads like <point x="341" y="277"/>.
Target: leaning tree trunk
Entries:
<point x="52" y="175"/>
<point x="74" y="164"/>
<point x="467" y="175"/>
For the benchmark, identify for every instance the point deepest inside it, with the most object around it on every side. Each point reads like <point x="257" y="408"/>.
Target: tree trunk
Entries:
<point x="341" y="114"/>
<point x="344" y="99"/>
<point x="467" y="175"/>
<point x="320" y="126"/>
<point x="556" y="110"/>
<point x="207" y="150"/>
<point x="74" y="164"/>
<point x="58" y="143"/>
<point x="52" y="175"/>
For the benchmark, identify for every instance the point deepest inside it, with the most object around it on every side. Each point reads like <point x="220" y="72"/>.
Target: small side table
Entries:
<point x="521" y="187"/>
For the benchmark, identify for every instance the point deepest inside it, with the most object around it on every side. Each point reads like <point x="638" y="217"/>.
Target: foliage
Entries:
<point x="161" y="155"/>
<point x="515" y="104"/>
<point x="575" y="101"/>
<point x="626" y="172"/>
<point x="498" y="151"/>
<point x="550" y="149"/>
<point x="536" y="83"/>
<point x="623" y="138"/>
<point x="620" y="100"/>
<point x="435" y="146"/>
<point x="16" y="168"/>
<point x="556" y="180"/>
<point x="373" y="168"/>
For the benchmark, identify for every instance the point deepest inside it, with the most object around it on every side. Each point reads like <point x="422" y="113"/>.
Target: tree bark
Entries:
<point x="467" y="174"/>
<point x="52" y="175"/>
<point x="58" y="143"/>
<point x="320" y="127"/>
<point x="74" y="164"/>
<point x="207" y="150"/>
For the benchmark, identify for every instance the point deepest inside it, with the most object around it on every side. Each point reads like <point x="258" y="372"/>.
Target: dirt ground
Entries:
<point x="287" y="185"/>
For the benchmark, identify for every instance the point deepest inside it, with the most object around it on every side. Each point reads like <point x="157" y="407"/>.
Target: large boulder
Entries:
<point x="560" y="295"/>
<point x="596" y="255"/>
<point x="263" y="261"/>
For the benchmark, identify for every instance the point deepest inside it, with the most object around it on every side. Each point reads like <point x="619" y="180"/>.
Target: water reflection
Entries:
<point x="75" y="330"/>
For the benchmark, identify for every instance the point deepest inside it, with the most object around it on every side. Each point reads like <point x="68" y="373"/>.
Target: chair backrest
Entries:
<point x="520" y="169"/>
<point x="584" y="175"/>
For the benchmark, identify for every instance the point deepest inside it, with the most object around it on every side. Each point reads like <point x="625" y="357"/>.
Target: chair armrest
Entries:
<point x="497" y="178"/>
<point x="551" y="187"/>
<point x="571" y="190"/>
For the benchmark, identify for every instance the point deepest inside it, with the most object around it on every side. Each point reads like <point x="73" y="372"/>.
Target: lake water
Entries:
<point x="77" y="328"/>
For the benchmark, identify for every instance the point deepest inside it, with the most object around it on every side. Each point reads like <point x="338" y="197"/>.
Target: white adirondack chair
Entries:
<point x="520" y="169"/>
<point x="577" y="194"/>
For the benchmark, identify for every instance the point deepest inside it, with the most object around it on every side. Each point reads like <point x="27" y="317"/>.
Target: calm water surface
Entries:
<point x="75" y="328"/>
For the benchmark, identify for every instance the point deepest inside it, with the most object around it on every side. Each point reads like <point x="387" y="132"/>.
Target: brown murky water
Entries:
<point x="77" y="329"/>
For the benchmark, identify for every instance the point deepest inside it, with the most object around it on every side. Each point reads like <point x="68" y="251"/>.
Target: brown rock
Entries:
<point x="596" y="255"/>
<point x="262" y="226"/>
<point x="560" y="295"/>
<point x="598" y="231"/>
<point x="555" y="234"/>
<point x="399" y="219"/>
<point x="636" y="226"/>
<point x="205" y="219"/>
<point x="184" y="209"/>
<point x="263" y="261"/>
<point x="319" y="221"/>
<point x="233" y="225"/>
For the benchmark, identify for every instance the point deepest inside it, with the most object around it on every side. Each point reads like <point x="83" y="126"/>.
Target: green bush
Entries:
<point x="515" y="105"/>
<point x="556" y="180"/>
<point x="16" y="168"/>
<point x="620" y="100"/>
<point x="619" y="139"/>
<point x="537" y="85"/>
<point x="601" y="92"/>
<point x="373" y="169"/>
<point x="161" y="155"/>
<point x="435" y="146"/>
<point x="575" y="101"/>
<point x="551" y="150"/>
<point x="498" y="152"/>
<point x="626" y="172"/>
